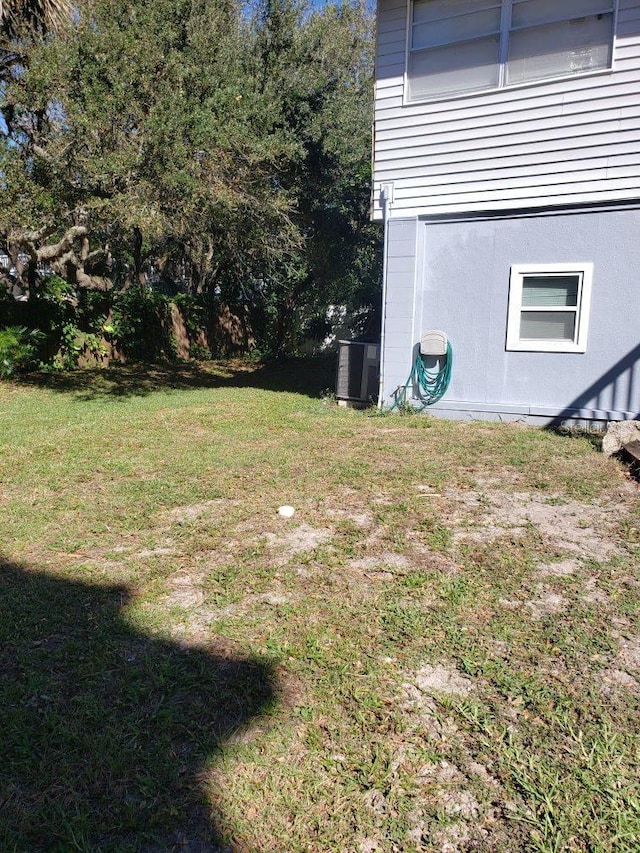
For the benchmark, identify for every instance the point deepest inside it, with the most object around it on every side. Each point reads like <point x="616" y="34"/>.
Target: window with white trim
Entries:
<point x="549" y="307"/>
<point x="459" y="46"/>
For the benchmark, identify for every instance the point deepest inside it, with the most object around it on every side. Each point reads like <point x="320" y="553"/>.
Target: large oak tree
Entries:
<point x="188" y="139"/>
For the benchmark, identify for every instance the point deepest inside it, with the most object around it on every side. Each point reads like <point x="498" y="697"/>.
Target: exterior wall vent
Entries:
<point x="358" y="371"/>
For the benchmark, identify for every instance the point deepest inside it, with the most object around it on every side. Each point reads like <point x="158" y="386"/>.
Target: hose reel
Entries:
<point x="430" y="383"/>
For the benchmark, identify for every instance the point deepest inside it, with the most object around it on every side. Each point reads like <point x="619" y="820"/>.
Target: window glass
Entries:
<point x="552" y="291"/>
<point x="455" y="68"/>
<point x="458" y="46"/>
<point x="548" y="325"/>
<point x="456" y="29"/>
<point x="526" y="13"/>
<point x="549" y="307"/>
<point x="554" y="50"/>
<point x="438" y="10"/>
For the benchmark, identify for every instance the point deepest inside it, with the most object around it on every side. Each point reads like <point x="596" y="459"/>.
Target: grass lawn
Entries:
<point x="439" y="652"/>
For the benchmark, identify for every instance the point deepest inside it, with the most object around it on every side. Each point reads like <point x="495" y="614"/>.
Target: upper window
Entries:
<point x="549" y="307"/>
<point x="458" y="46"/>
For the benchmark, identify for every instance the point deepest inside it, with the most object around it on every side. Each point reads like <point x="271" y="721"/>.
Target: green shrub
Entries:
<point x="18" y="348"/>
<point x="142" y="324"/>
<point x="74" y="343"/>
<point x="56" y="289"/>
<point x="199" y="352"/>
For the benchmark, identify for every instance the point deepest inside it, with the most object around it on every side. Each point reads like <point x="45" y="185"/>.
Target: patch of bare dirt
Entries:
<point x="557" y="570"/>
<point x="624" y="668"/>
<point x="419" y="696"/>
<point x="184" y="591"/>
<point x="546" y="603"/>
<point x="370" y="845"/>
<point x="200" y="618"/>
<point x="510" y="603"/>
<point x="629" y="654"/>
<point x="155" y="552"/>
<point x="488" y="514"/>
<point x="347" y="504"/>
<point x="363" y="520"/>
<point x="365" y="574"/>
<point x="386" y="564"/>
<point x="432" y="561"/>
<point x="613" y="680"/>
<point x="191" y="512"/>
<point x="438" y="679"/>
<point x="300" y="539"/>
<point x="446" y="791"/>
<point x="594" y="595"/>
<point x="455" y="838"/>
<point x="425" y="710"/>
<point x="474" y="768"/>
<point x="441" y="773"/>
<point x="375" y="801"/>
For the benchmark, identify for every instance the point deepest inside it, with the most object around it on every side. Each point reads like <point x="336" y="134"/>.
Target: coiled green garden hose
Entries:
<point x="431" y="384"/>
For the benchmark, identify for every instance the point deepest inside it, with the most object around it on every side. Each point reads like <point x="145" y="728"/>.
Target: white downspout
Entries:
<point x="386" y="197"/>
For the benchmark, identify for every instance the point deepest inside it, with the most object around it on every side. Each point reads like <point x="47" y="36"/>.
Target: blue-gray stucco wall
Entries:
<point x="454" y="275"/>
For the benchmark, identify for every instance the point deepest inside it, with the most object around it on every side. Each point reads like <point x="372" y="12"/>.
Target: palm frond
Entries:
<point x="36" y="15"/>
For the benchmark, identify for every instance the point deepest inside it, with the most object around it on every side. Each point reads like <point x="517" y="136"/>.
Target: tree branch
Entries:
<point x="55" y="250"/>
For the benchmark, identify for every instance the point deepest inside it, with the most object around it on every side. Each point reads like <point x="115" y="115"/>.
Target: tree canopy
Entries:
<point x="214" y="146"/>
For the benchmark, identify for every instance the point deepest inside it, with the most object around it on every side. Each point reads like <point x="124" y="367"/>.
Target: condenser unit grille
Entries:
<point x="358" y="371"/>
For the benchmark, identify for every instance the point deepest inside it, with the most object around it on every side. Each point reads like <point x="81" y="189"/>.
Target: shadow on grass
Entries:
<point x="594" y="438"/>
<point x="105" y="729"/>
<point x="310" y="376"/>
<point x="590" y="436"/>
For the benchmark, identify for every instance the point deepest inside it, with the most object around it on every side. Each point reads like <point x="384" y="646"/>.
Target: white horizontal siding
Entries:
<point x="486" y="202"/>
<point x="558" y="142"/>
<point x="529" y="170"/>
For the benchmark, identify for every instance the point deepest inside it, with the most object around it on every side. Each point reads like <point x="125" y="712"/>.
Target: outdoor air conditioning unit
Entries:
<point x="358" y="371"/>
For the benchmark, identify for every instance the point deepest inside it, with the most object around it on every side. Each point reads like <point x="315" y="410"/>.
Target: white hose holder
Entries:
<point x="434" y="343"/>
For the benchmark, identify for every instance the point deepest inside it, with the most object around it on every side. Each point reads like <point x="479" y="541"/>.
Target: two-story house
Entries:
<point x="507" y="173"/>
